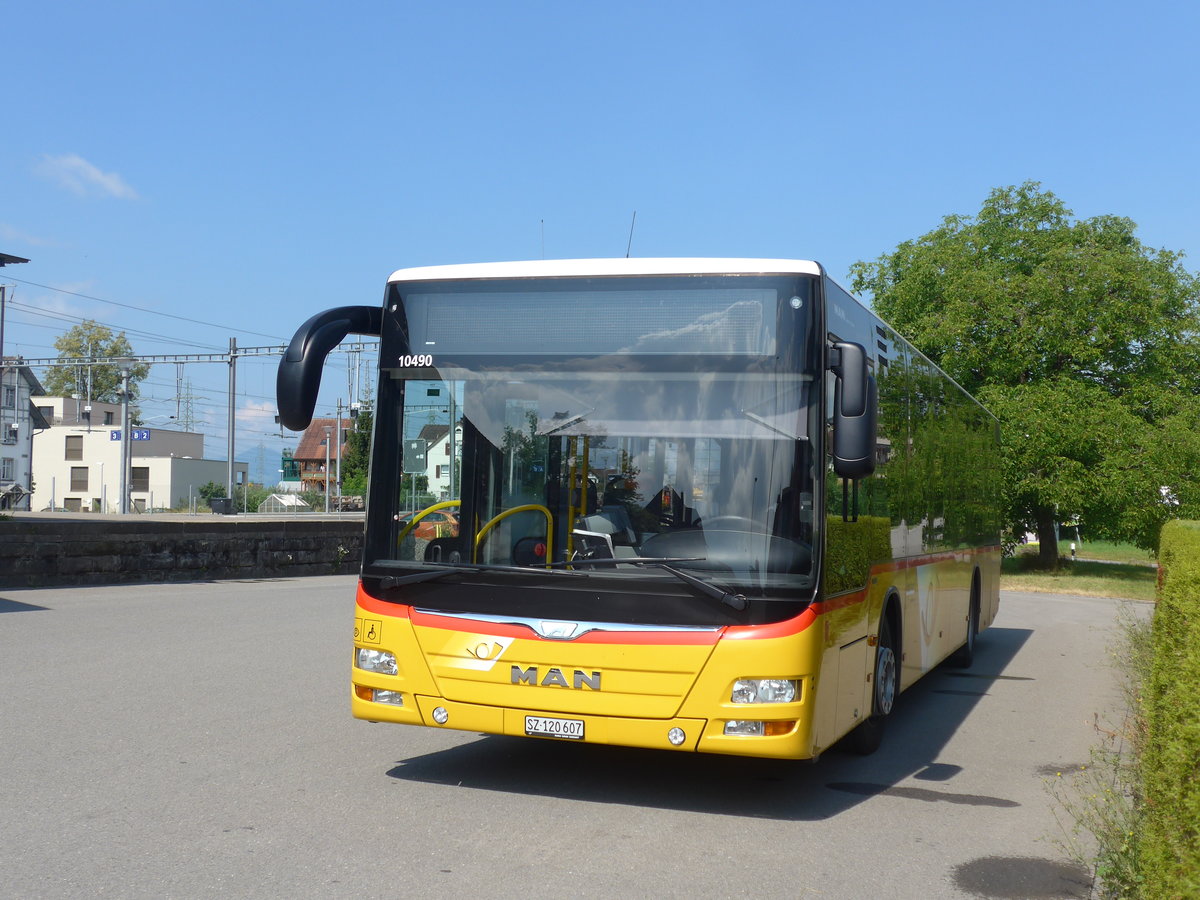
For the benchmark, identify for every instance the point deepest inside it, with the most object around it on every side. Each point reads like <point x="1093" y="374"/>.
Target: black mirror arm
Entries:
<point x="299" y="377"/>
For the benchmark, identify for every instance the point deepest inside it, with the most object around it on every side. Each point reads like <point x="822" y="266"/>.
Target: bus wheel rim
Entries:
<point x="885" y="681"/>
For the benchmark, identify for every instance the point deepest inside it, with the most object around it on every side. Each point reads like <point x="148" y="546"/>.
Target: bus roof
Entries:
<point x="567" y="268"/>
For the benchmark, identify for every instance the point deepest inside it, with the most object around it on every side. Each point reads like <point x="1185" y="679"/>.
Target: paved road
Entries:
<point x="190" y="740"/>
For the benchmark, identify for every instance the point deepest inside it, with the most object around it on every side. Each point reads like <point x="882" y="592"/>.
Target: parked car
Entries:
<point x="437" y="524"/>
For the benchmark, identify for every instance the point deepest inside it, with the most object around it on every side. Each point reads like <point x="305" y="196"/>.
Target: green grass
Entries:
<point x="1107" y="550"/>
<point x="1132" y="581"/>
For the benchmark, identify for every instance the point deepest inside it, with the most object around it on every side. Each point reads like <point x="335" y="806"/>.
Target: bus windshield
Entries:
<point x="673" y="422"/>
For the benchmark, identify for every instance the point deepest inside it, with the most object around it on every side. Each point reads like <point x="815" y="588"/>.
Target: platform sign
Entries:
<point x="414" y="456"/>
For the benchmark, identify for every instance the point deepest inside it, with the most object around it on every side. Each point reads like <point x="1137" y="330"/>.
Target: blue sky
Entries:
<point x="249" y="164"/>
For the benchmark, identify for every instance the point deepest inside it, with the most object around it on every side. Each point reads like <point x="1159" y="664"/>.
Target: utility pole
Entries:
<point x="123" y="506"/>
<point x="3" y="289"/>
<point x="338" y="480"/>
<point x="232" y="409"/>
<point x="327" y="430"/>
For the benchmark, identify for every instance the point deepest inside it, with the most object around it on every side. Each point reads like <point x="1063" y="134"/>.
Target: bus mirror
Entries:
<point x="299" y="377"/>
<point x="855" y="412"/>
<point x="849" y="363"/>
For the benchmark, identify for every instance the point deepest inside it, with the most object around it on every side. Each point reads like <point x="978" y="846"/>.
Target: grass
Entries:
<point x="1109" y="551"/>
<point x="1129" y="575"/>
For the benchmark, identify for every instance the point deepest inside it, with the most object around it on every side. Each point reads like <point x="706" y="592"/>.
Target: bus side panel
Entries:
<point x="989" y="601"/>
<point x="937" y="606"/>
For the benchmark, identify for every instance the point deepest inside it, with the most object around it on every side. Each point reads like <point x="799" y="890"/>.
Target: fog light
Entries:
<point x="440" y="715"/>
<point x="676" y="736"/>
<point x="745" y="728"/>
<point x="392" y="698"/>
<point x="765" y="690"/>
<point x="375" y="661"/>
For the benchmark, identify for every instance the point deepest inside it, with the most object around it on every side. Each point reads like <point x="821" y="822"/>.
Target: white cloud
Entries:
<point x="256" y="417"/>
<point x="80" y="177"/>
<point x="8" y="233"/>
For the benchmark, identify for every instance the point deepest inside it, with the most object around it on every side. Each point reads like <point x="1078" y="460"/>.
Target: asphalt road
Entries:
<point x="194" y="740"/>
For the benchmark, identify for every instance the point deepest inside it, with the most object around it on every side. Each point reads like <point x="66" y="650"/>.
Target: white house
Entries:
<point x="77" y="461"/>
<point x="19" y="419"/>
<point x="437" y="456"/>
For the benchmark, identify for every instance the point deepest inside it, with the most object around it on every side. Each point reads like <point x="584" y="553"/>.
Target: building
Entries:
<point x="19" y="419"/>
<point x="77" y="461"/>
<point x="289" y="474"/>
<point x="318" y="445"/>
<point x="438" y="463"/>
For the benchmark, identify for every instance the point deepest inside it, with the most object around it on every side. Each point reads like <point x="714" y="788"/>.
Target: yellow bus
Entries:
<point x="710" y="505"/>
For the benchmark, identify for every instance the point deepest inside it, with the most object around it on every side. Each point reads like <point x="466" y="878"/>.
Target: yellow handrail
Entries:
<point x="532" y="507"/>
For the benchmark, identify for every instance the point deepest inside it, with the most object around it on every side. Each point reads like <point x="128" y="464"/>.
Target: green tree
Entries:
<point x="211" y="491"/>
<point x="357" y="454"/>
<point x="1079" y="337"/>
<point x="91" y="339"/>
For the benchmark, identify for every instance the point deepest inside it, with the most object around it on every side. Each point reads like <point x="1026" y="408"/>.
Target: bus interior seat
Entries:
<point x="611" y="520"/>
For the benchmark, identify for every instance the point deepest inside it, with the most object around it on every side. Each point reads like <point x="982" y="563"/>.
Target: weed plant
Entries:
<point x="1098" y="805"/>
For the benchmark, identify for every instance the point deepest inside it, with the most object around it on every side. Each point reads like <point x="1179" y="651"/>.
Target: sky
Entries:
<point x="192" y="172"/>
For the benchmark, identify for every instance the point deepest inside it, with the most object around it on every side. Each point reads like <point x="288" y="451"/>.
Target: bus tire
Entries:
<point x="965" y="655"/>
<point x="868" y="735"/>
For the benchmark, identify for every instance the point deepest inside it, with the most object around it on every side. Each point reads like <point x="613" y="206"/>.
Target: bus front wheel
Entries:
<point x="867" y="737"/>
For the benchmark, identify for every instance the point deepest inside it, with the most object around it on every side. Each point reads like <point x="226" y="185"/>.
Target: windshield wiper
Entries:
<point x="707" y="588"/>
<point x="442" y="570"/>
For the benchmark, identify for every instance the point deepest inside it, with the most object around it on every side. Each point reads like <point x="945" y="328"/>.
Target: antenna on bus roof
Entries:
<point x="543" y="221"/>
<point x="630" y="244"/>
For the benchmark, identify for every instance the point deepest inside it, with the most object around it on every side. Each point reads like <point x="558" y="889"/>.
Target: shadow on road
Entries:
<point x="923" y="721"/>
<point x="7" y="605"/>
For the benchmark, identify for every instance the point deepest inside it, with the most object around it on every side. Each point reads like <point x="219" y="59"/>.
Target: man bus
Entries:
<point x="694" y="504"/>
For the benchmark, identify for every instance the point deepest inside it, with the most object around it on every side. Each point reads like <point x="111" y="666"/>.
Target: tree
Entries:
<point x="1082" y="340"/>
<point x="357" y="455"/>
<point x="91" y="339"/>
<point x="211" y="491"/>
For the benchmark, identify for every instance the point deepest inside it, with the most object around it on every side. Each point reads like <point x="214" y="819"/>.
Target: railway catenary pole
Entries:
<point x="229" y="358"/>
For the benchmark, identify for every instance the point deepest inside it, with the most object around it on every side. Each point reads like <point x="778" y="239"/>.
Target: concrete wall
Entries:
<point x="44" y="551"/>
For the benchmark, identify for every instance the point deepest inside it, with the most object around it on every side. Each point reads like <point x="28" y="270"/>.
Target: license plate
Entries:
<point x="539" y="726"/>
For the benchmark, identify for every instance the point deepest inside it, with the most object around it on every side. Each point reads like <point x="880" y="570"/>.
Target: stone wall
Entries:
<point x="43" y="551"/>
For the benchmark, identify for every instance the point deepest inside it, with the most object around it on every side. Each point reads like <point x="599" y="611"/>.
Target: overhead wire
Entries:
<point x="136" y="332"/>
<point x="154" y="312"/>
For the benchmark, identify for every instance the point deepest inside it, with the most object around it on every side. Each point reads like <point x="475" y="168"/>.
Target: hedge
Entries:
<point x="1170" y="826"/>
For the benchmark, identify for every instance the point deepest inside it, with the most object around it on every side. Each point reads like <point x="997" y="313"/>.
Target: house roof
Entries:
<point x="16" y="362"/>
<point x="434" y="433"/>
<point x="312" y="442"/>
<point x="39" y="421"/>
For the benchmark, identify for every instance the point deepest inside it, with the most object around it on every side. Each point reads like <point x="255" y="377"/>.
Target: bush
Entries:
<point x="1170" y="833"/>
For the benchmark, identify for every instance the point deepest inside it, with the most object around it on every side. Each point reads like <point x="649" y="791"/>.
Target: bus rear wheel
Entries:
<point x="867" y="737"/>
<point x="965" y="655"/>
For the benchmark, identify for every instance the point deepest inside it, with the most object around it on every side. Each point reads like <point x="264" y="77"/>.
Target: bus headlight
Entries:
<point x="765" y="690"/>
<point x="380" y="661"/>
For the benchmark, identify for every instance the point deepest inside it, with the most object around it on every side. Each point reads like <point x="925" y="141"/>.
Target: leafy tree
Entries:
<point x="211" y="491"/>
<point x="91" y="339"/>
<point x="248" y="497"/>
<point x="357" y="454"/>
<point x="1082" y="340"/>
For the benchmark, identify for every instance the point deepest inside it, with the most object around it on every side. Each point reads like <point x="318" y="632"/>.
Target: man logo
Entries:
<point x="556" y="678"/>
